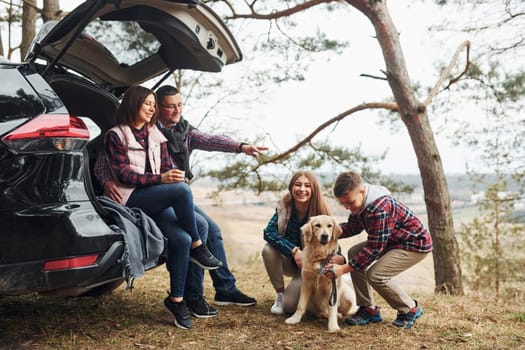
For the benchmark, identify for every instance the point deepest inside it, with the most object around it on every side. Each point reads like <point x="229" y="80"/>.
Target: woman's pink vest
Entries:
<point x="137" y="154"/>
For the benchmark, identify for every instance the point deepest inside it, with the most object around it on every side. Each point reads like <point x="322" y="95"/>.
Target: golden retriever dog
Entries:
<point x="320" y="235"/>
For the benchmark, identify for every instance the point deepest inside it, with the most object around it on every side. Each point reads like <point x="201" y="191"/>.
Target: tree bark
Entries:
<point x="29" y="12"/>
<point x="51" y="10"/>
<point x="1" y="45"/>
<point x="414" y="115"/>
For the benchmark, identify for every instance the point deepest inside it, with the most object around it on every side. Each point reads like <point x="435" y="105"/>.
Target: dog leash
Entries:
<point x="333" y="292"/>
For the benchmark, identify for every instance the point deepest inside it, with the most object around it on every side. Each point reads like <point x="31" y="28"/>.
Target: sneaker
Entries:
<point x="237" y="298"/>
<point x="180" y="313"/>
<point x="201" y="256"/>
<point x="200" y="308"/>
<point x="364" y="315"/>
<point x="277" y="307"/>
<point x="407" y="320"/>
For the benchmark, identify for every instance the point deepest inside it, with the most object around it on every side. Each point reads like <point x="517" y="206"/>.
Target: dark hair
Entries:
<point x="317" y="204"/>
<point x="346" y="182"/>
<point x="131" y="103"/>
<point x="166" y="90"/>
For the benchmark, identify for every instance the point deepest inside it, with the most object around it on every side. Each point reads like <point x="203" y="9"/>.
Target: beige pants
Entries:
<point x="277" y="266"/>
<point x="379" y="276"/>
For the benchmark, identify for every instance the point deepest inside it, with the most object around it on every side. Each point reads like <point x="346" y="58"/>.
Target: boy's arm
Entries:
<point x="379" y="228"/>
<point x="351" y="228"/>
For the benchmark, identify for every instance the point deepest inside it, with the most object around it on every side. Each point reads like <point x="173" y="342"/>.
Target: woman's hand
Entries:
<point x="112" y="191"/>
<point x="298" y="257"/>
<point x="172" y="175"/>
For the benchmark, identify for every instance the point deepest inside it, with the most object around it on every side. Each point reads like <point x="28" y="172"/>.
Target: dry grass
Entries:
<point x="136" y="320"/>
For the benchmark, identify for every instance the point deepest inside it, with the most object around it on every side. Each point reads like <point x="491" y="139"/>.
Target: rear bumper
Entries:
<point x="28" y="277"/>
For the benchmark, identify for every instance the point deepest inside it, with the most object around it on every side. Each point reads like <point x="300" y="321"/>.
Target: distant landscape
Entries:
<point x="461" y="189"/>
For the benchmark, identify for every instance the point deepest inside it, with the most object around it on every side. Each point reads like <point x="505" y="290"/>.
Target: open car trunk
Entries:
<point x="117" y="45"/>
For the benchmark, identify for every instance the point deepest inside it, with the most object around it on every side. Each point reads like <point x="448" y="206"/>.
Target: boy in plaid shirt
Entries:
<point x="396" y="241"/>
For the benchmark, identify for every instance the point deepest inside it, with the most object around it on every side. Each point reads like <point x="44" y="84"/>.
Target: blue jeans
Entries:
<point x="153" y="200"/>
<point x="161" y="202"/>
<point x="223" y="279"/>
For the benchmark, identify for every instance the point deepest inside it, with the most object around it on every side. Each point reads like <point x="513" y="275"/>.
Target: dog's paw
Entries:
<point x="292" y="320"/>
<point x="333" y="329"/>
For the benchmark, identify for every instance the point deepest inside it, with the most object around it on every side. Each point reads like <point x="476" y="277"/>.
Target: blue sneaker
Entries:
<point x="407" y="320"/>
<point x="364" y="315"/>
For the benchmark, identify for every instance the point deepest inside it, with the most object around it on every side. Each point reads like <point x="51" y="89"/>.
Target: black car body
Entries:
<point x="54" y="109"/>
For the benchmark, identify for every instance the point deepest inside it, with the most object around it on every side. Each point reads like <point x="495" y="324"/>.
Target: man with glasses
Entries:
<point x="183" y="138"/>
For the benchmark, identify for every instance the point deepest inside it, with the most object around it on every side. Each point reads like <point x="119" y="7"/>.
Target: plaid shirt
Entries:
<point x="197" y="139"/>
<point x="120" y="163"/>
<point x="390" y="225"/>
<point x="292" y="236"/>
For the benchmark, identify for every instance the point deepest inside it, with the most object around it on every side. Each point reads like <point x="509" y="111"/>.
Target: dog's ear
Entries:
<point x="337" y="229"/>
<point x="306" y="229"/>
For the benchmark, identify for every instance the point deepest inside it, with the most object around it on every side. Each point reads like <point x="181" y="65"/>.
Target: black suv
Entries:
<point x="55" y="238"/>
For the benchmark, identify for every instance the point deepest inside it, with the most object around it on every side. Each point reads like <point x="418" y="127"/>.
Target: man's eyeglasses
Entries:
<point x="171" y="106"/>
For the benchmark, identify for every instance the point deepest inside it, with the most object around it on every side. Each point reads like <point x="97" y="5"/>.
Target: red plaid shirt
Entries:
<point x="120" y="163"/>
<point x="389" y="224"/>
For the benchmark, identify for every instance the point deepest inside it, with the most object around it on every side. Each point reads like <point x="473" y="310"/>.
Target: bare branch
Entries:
<point x="372" y="105"/>
<point x="21" y="5"/>
<point x="10" y="3"/>
<point x="446" y="72"/>
<point x="372" y="76"/>
<point x="515" y="45"/>
<point x="276" y="14"/>
<point x="11" y="50"/>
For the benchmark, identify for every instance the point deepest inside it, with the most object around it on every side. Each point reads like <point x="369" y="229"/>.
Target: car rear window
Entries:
<point x="124" y="40"/>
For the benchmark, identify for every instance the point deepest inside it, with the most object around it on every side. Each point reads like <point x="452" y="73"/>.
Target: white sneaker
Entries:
<point x="277" y="307"/>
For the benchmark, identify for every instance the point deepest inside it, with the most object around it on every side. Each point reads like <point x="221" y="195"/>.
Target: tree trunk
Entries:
<point x="29" y="12"/>
<point x="1" y="45"/>
<point x="51" y="10"/>
<point x="414" y="115"/>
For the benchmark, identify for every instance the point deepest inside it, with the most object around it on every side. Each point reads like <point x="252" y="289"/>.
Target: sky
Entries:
<point x="333" y="84"/>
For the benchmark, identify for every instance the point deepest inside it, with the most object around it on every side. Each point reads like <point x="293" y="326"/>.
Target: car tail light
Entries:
<point x="49" y="132"/>
<point x="70" y="263"/>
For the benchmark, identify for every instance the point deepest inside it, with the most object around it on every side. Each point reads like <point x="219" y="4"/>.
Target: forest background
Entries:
<point x="308" y="62"/>
<point x="461" y="108"/>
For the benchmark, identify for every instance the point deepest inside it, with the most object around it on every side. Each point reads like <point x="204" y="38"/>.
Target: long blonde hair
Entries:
<point x="317" y="204"/>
